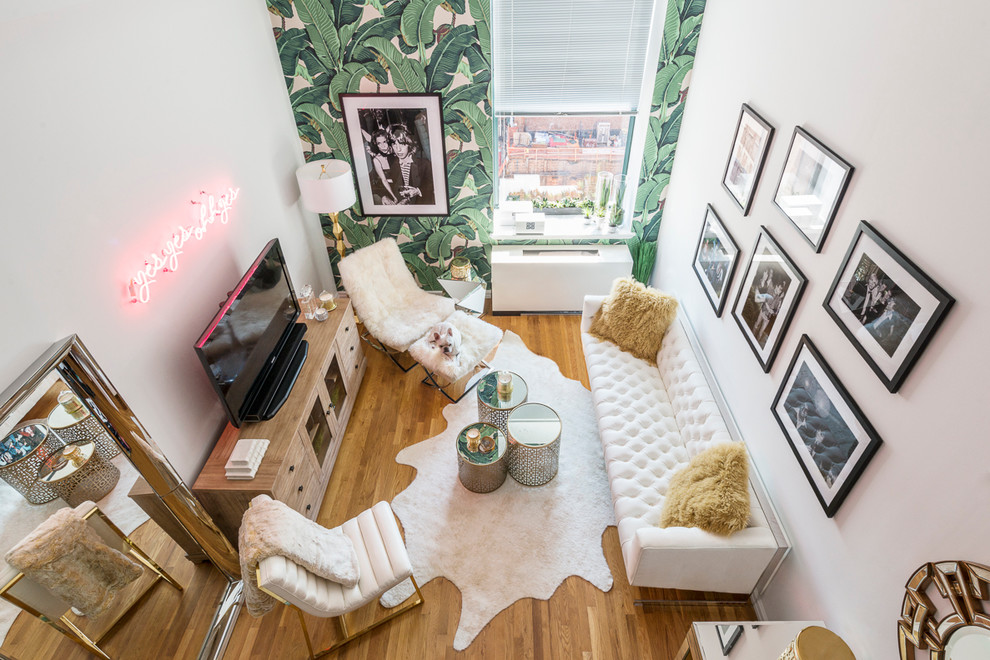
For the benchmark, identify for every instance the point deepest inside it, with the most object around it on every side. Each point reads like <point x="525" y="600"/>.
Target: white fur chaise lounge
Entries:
<point x="386" y="298"/>
<point x="652" y="420"/>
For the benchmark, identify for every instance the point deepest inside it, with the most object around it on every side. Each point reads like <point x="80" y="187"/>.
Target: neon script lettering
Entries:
<point x="211" y="209"/>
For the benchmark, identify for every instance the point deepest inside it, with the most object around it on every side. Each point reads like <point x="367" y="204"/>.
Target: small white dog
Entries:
<point x="447" y="339"/>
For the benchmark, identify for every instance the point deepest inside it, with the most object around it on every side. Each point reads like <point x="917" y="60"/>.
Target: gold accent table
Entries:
<point x="534" y="438"/>
<point x="482" y="471"/>
<point x="78" y="473"/>
<point x="73" y="423"/>
<point x="493" y="406"/>
<point x="22" y="452"/>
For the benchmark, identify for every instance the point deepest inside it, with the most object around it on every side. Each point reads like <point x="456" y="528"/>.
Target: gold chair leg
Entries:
<point x="79" y="637"/>
<point x="351" y="636"/>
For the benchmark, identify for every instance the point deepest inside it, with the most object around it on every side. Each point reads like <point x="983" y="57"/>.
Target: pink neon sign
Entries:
<point x="166" y="260"/>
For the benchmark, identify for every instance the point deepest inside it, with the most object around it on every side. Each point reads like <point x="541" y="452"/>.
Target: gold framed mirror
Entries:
<point x="945" y="613"/>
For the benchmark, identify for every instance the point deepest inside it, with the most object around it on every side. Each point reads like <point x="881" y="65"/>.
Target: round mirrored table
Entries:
<point x="481" y="468"/>
<point x="21" y="454"/>
<point x="78" y="473"/>
<point x="497" y="399"/>
<point x="534" y="443"/>
<point x="73" y="423"/>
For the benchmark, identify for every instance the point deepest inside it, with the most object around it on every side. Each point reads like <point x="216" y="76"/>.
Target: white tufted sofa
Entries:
<point x="652" y="420"/>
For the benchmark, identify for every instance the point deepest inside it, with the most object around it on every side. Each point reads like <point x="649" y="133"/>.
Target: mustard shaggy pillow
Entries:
<point x="635" y="318"/>
<point x="712" y="492"/>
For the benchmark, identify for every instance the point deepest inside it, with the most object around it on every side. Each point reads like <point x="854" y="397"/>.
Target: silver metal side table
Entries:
<point x="496" y="401"/>
<point x="534" y="443"/>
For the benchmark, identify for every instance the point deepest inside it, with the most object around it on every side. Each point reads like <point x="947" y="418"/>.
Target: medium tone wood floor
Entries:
<point x="394" y="410"/>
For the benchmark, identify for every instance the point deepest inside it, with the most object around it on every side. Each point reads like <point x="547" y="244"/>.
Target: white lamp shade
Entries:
<point x="326" y="186"/>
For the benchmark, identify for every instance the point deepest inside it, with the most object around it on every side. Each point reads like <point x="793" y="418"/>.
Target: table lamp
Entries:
<point x="326" y="186"/>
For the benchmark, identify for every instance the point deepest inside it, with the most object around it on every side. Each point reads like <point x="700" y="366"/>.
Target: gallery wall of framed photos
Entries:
<point x="910" y="186"/>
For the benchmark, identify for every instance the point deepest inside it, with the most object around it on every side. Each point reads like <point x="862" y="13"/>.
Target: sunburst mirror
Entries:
<point x="945" y="612"/>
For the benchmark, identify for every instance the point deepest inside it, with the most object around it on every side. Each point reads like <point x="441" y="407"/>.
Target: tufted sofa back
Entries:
<point x="697" y="415"/>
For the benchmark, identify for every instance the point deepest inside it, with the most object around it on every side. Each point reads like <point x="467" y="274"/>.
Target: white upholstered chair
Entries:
<point x="383" y="561"/>
<point x="397" y="316"/>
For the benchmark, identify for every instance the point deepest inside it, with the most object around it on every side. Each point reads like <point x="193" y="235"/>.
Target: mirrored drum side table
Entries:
<point x="534" y="443"/>
<point x="499" y="392"/>
<point x="22" y="452"/>
<point x="73" y="423"/>
<point x="78" y="473"/>
<point x="481" y="457"/>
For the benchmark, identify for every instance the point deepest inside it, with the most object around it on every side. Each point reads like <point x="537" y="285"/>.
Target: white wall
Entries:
<point x="115" y="115"/>
<point x="901" y="94"/>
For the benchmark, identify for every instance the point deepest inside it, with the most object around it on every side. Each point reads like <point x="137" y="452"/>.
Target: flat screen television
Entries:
<point x="253" y="348"/>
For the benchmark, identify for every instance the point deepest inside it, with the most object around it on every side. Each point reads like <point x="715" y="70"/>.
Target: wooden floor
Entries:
<point x="394" y="410"/>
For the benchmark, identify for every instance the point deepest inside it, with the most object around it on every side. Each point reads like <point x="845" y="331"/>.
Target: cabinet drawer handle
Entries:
<point x="352" y="348"/>
<point x="355" y="367"/>
<point x="309" y="506"/>
<point x="300" y="489"/>
<point x="347" y="328"/>
<point x="292" y="468"/>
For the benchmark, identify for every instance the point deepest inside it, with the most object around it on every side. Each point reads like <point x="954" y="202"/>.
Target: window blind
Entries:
<point x="572" y="56"/>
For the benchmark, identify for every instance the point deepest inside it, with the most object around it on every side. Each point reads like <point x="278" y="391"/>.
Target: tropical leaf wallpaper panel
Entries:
<point x="682" y="28"/>
<point x="329" y="47"/>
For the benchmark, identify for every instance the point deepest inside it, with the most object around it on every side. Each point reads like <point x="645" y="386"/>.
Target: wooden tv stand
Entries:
<point x="304" y="435"/>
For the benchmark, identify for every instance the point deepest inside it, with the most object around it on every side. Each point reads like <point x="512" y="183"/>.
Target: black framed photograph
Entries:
<point x="750" y="146"/>
<point x="887" y="307"/>
<point x="767" y="297"/>
<point x="728" y="635"/>
<point x="715" y="260"/>
<point x="811" y="186"/>
<point x="397" y="145"/>
<point x="831" y="438"/>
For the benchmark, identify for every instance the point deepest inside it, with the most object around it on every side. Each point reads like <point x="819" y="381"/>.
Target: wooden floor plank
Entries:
<point x="394" y="410"/>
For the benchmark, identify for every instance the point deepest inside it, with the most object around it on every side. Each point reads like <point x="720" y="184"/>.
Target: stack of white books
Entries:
<point x="246" y="458"/>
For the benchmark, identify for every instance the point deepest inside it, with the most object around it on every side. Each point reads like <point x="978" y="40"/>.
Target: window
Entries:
<point x="568" y="78"/>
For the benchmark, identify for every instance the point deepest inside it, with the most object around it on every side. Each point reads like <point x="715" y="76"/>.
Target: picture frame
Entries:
<point x="812" y="184"/>
<point x="885" y="305"/>
<point x="767" y="296"/>
<point x="748" y="155"/>
<point x="828" y="433"/>
<point x="728" y="635"/>
<point x="715" y="259"/>
<point x="397" y="148"/>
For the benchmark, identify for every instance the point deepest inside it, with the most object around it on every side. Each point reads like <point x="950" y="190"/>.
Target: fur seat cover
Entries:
<point x="66" y="556"/>
<point x="269" y="528"/>
<point x="478" y="338"/>
<point x="386" y="298"/>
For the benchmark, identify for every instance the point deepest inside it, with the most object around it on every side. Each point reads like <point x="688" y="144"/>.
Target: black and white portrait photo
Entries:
<point x="749" y="152"/>
<point x="887" y="307"/>
<point x="715" y="259"/>
<point x="396" y="141"/>
<point x="767" y="297"/>
<point x="828" y="433"/>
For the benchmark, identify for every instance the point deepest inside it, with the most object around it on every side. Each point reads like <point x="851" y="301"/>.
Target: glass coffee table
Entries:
<point x="481" y="457"/>
<point x="497" y="399"/>
<point x="77" y="473"/>
<point x="534" y="443"/>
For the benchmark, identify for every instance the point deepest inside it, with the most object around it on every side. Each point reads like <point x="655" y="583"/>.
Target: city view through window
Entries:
<point x="554" y="160"/>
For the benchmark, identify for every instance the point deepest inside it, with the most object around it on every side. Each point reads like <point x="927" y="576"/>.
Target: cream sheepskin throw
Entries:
<point x="478" y="338"/>
<point x="712" y="492"/>
<point x="635" y="318"/>
<point x="67" y="556"/>
<point x="269" y="528"/>
<point x="386" y="298"/>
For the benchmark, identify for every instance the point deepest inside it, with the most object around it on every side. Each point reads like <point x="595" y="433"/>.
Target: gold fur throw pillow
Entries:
<point x="712" y="492"/>
<point x="635" y="318"/>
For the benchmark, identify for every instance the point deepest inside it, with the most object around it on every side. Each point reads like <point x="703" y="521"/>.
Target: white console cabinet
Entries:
<point x="554" y="278"/>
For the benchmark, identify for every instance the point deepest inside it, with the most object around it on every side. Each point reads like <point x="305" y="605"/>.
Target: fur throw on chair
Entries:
<point x="66" y="556"/>
<point x="386" y="297"/>
<point x="269" y="528"/>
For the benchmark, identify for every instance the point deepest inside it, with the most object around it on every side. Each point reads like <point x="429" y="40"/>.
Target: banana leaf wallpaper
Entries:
<point x="682" y="28"/>
<point x="329" y="47"/>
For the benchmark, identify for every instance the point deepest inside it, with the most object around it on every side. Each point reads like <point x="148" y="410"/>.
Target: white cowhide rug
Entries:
<point x="518" y="541"/>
